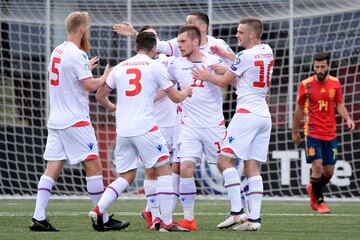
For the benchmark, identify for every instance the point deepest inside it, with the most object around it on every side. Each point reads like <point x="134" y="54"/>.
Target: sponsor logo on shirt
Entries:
<point x="232" y="67"/>
<point x="90" y="145"/>
<point x="231" y="139"/>
<point x="159" y="147"/>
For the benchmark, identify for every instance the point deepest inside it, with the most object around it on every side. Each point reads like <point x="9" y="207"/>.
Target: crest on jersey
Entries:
<point x="86" y="67"/>
<point x="311" y="152"/>
<point x="332" y="93"/>
<point x="237" y="61"/>
<point x="85" y="56"/>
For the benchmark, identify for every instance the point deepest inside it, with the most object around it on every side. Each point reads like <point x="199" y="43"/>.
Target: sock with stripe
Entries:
<point x="233" y="188"/>
<point x="176" y="182"/>
<point x="45" y="186"/>
<point x="95" y="189"/>
<point x="187" y="197"/>
<point x="165" y="194"/>
<point x="111" y="193"/>
<point x="255" y="196"/>
<point x="150" y="188"/>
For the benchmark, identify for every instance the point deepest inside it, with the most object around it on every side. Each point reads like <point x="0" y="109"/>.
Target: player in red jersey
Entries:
<point x="318" y="97"/>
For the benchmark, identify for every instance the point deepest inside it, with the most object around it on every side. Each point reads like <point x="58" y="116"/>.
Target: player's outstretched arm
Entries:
<point x="125" y="29"/>
<point x="299" y="111"/>
<point x="221" y="52"/>
<point x="95" y="83"/>
<point x="202" y="73"/>
<point x="341" y="109"/>
<point x="102" y="97"/>
<point x="179" y="96"/>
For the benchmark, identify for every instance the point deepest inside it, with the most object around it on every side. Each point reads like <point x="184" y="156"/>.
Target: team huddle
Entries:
<point x="168" y="114"/>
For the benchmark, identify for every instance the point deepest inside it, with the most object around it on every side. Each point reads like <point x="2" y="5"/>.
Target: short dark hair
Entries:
<point x="255" y="23"/>
<point x="321" y="56"/>
<point x="202" y="16"/>
<point x="146" y="27"/>
<point x="145" y="41"/>
<point x="192" y="31"/>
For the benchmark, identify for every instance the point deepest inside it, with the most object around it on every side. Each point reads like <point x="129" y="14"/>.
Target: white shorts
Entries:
<point x="150" y="147"/>
<point x="168" y="133"/>
<point x="248" y="137"/>
<point x="75" y="144"/>
<point x="194" y="142"/>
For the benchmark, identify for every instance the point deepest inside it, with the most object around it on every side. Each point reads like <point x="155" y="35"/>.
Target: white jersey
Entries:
<point x="164" y="108"/>
<point x="69" y="101"/>
<point x="136" y="81"/>
<point x="254" y="70"/>
<point x="204" y="108"/>
<point x="171" y="47"/>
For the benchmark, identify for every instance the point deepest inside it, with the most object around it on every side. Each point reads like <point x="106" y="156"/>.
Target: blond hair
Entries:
<point x="255" y="24"/>
<point x="75" y="20"/>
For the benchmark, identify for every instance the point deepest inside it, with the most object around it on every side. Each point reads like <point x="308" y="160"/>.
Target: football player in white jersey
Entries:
<point x="203" y="126"/>
<point x="70" y="133"/>
<point x="136" y="81"/>
<point x="250" y="128"/>
<point x="166" y="118"/>
<point x="171" y="47"/>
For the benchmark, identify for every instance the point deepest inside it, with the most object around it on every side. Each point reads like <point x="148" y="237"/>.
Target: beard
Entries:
<point x="322" y="76"/>
<point x="85" y="42"/>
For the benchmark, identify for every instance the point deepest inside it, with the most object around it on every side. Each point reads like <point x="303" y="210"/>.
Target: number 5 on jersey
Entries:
<point x="54" y="69"/>
<point x="134" y="81"/>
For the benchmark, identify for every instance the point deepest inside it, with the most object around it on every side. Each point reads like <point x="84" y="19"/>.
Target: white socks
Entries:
<point x="176" y="183"/>
<point x="45" y="186"/>
<point x="150" y="188"/>
<point x="95" y="189"/>
<point x="111" y="193"/>
<point x="255" y="196"/>
<point x="233" y="188"/>
<point x="165" y="194"/>
<point x="187" y="197"/>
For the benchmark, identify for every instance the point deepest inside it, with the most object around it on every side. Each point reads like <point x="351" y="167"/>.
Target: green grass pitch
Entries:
<point x="280" y="220"/>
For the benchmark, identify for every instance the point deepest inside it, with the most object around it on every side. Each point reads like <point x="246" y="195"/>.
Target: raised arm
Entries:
<point x="125" y="29"/>
<point x="341" y="109"/>
<point x="94" y="84"/>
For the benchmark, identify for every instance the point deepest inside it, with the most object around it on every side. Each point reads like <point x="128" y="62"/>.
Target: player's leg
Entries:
<point x="175" y="168"/>
<point x="126" y="163"/>
<point x="257" y="153"/>
<point x="329" y="152"/>
<point x="154" y="152"/>
<point x="314" y="157"/>
<point x="54" y="153"/>
<point x="190" y="151"/>
<point x="151" y="212"/>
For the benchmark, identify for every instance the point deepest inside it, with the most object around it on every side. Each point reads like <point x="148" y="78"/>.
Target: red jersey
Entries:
<point x="319" y="100"/>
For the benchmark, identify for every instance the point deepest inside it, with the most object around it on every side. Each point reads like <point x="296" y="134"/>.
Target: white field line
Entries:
<point x="29" y="214"/>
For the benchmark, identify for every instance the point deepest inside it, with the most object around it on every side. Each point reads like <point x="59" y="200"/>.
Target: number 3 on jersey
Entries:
<point x="261" y="82"/>
<point x="134" y="81"/>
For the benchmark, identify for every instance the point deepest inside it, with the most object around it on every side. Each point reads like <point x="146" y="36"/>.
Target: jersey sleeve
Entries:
<point x="81" y="66"/>
<point x="241" y="63"/>
<point x="221" y="43"/>
<point x="161" y="76"/>
<point x="301" y="97"/>
<point x="169" y="48"/>
<point x="339" y="95"/>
